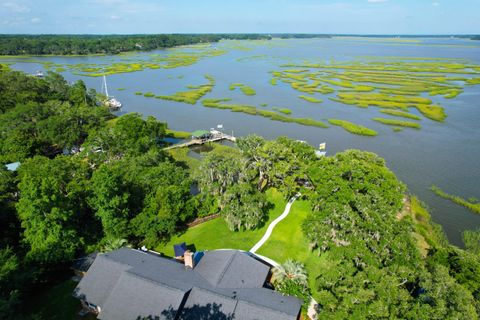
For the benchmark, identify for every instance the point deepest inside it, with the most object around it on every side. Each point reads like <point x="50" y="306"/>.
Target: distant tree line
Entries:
<point x="106" y="44"/>
<point x="300" y="35"/>
<point x="113" y="44"/>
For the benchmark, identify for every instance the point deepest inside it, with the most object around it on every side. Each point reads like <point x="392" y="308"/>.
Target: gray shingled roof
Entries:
<point x="128" y="284"/>
<point x="251" y="311"/>
<point x="232" y="269"/>
<point x="206" y="304"/>
<point x="137" y="298"/>
<point x="239" y="304"/>
<point x="96" y="285"/>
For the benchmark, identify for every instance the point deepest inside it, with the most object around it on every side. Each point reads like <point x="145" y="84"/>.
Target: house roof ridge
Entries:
<point x="229" y="262"/>
<point x="136" y="275"/>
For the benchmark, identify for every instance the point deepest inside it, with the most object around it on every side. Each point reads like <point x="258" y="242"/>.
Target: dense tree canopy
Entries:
<point x="373" y="267"/>
<point x="44" y="116"/>
<point x="223" y="176"/>
<point x="87" y="180"/>
<point x="280" y="163"/>
<point x="51" y="207"/>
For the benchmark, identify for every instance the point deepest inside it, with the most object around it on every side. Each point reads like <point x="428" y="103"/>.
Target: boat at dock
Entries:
<point x="322" y="150"/>
<point x="110" y="101"/>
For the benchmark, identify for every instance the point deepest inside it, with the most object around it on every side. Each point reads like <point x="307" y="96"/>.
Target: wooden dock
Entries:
<point x="215" y="136"/>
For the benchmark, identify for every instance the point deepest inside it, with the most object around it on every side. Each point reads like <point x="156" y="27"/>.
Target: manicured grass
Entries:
<point x="398" y="123"/>
<point x="470" y="205"/>
<point x="353" y="128"/>
<point x="398" y="113"/>
<point x="56" y="303"/>
<point x="288" y="242"/>
<point x="215" y="234"/>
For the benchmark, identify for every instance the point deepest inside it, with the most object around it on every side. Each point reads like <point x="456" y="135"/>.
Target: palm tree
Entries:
<point x="114" y="244"/>
<point x="290" y="270"/>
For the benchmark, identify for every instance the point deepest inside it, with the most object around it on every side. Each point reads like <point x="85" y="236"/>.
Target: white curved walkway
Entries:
<point x="272" y="225"/>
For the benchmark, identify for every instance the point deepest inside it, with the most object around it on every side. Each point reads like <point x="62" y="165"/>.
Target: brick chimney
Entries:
<point x="188" y="258"/>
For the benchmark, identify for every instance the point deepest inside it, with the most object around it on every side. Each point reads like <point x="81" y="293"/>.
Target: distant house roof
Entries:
<point x="131" y="284"/>
<point x="180" y="249"/>
<point x="12" y="166"/>
<point x="200" y="133"/>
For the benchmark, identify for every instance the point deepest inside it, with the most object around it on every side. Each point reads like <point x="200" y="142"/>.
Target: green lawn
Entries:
<point x="215" y="234"/>
<point x="288" y="242"/>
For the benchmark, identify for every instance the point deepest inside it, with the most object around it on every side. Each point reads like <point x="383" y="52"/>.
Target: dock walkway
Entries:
<point x="214" y="136"/>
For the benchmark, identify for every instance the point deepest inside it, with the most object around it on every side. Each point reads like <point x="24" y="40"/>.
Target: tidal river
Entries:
<point x="445" y="154"/>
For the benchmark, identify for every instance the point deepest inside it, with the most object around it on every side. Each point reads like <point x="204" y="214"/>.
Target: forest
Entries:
<point x="91" y="182"/>
<point x="106" y="44"/>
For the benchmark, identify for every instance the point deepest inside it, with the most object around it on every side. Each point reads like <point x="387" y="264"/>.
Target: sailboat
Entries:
<point x="110" y="102"/>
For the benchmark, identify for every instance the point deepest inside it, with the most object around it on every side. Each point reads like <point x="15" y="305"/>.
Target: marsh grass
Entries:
<point x="191" y="96"/>
<point x="385" y="82"/>
<point x="247" y="109"/>
<point x="248" y="91"/>
<point x="353" y="128"/>
<point x="398" y="113"/>
<point x="310" y="99"/>
<point x="398" y="123"/>
<point x="177" y="134"/>
<point x="432" y="112"/>
<point x="282" y="110"/>
<point x="471" y="205"/>
<point x="132" y="62"/>
<point x="473" y="81"/>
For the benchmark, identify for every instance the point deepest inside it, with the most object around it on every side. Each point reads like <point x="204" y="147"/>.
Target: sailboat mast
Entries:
<point x="105" y="84"/>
